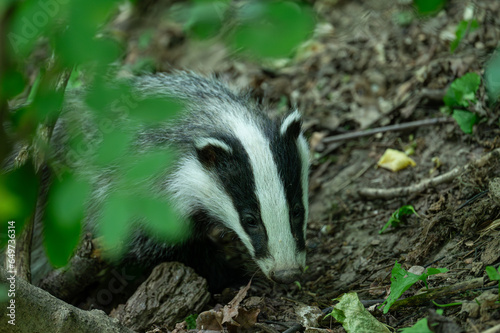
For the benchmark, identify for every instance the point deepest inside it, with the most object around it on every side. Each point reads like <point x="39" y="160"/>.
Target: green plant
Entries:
<point x="446" y="305"/>
<point x="397" y="217"/>
<point x="462" y="94"/>
<point x="353" y="316"/>
<point x="494" y="275"/>
<point x="401" y="280"/>
<point x="191" y="321"/>
<point x="463" y="28"/>
<point x="420" y="326"/>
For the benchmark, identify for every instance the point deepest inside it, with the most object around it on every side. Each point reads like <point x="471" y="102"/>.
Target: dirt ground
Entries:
<point x="364" y="69"/>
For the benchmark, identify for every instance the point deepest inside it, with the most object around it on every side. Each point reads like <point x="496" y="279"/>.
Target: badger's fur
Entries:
<point x="236" y="168"/>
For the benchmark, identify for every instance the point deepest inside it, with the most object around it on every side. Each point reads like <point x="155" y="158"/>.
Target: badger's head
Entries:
<point x="253" y="178"/>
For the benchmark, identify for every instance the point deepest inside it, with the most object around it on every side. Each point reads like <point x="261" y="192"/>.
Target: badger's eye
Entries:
<point x="250" y="220"/>
<point x="297" y="211"/>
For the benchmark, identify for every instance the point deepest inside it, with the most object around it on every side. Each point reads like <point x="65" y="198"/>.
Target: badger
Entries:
<point x="236" y="169"/>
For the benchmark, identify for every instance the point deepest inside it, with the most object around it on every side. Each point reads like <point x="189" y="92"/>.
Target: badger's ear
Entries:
<point x="291" y="125"/>
<point x="211" y="150"/>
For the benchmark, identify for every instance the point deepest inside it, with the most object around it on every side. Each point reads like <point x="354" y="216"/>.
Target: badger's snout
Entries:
<point x="285" y="276"/>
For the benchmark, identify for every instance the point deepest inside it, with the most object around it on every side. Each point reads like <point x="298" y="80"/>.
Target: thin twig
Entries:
<point x="397" y="127"/>
<point x="378" y="193"/>
<point x="294" y="328"/>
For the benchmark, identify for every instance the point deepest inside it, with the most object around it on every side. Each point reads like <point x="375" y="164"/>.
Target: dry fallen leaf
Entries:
<point x="395" y="160"/>
<point x="231" y="315"/>
<point x="230" y="311"/>
<point x="209" y="320"/>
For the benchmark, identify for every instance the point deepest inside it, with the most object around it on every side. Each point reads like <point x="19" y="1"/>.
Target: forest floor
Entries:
<point x="366" y="68"/>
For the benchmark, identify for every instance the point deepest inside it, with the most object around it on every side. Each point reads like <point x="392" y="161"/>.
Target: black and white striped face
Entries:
<point x="254" y="180"/>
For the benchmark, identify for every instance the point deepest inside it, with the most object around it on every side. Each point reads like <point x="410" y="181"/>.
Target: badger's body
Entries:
<point x="236" y="168"/>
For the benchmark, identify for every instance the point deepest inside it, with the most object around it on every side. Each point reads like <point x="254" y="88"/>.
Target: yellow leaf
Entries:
<point x="395" y="160"/>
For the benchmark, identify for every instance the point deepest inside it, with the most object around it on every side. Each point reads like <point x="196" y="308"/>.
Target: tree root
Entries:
<point x="377" y="193"/>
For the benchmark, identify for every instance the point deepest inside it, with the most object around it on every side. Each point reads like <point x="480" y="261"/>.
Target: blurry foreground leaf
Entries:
<point x="206" y="17"/>
<point x="115" y="224"/>
<point x="161" y="221"/>
<point x="401" y="280"/>
<point x="114" y="145"/>
<point x="395" y="160"/>
<point x="66" y="207"/>
<point x="429" y="7"/>
<point x="11" y="84"/>
<point x="47" y="104"/>
<point x="148" y="165"/>
<point x="73" y="43"/>
<point x="272" y="28"/>
<point x="4" y="291"/>
<point x="492" y="77"/>
<point x="18" y="193"/>
<point x="397" y="216"/>
<point x="154" y="110"/>
<point x="353" y="316"/>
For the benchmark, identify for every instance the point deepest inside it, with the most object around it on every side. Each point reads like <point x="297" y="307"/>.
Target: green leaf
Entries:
<point x="12" y="83"/>
<point x="465" y="120"/>
<point x="115" y="224"/>
<point x="429" y="7"/>
<point x="462" y="91"/>
<point x="47" y="103"/>
<point x="353" y="316"/>
<point x="401" y="280"/>
<point x="84" y="19"/>
<point x="272" y="28"/>
<point x="420" y="326"/>
<point x="460" y="32"/>
<point x="148" y="165"/>
<point x="494" y="276"/>
<point x="113" y="146"/>
<point x="26" y="25"/>
<point x="206" y="18"/>
<point x="18" y="193"/>
<point x="4" y="291"/>
<point x="492" y="273"/>
<point x="64" y="214"/>
<point x="155" y="110"/>
<point x="161" y="221"/>
<point x="492" y="78"/>
<point x="396" y="218"/>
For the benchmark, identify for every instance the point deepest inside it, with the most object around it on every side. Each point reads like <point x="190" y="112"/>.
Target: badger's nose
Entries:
<point x="285" y="276"/>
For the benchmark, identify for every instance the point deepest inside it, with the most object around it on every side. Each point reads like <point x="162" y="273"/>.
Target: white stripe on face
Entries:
<point x="270" y="194"/>
<point x="193" y="187"/>
<point x="304" y="156"/>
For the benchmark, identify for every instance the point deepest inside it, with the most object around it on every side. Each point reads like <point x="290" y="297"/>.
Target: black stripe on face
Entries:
<point x="235" y="174"/>
<point x="287" y="158"/>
